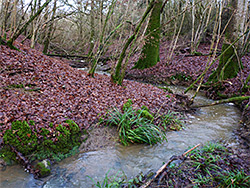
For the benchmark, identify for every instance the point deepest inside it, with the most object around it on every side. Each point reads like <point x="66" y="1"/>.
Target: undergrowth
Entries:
<point x="134" y="127"/>
<point x="210" y="166"/>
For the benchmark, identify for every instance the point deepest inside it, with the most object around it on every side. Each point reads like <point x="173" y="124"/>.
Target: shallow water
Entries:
<point x="208" y="124"/>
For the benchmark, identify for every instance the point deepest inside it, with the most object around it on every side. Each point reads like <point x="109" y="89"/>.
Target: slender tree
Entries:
<point x="92" y="28"/>
<point x="25" y="25"/>
<point x="50" y="29"/>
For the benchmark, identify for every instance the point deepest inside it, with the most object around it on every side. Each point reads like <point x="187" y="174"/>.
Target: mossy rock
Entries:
<point x="145" y="113"/>
<point x="8" y="156"/>
<point x="21" y="137"/>
<point x="44" y="168"/>
<point x="127" y="105"/>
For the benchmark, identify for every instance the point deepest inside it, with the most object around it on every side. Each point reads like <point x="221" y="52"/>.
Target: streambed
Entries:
<point x="207" y="124"/>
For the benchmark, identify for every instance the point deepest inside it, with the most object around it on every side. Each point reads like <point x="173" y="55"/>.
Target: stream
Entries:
<point x="215" y="123"/>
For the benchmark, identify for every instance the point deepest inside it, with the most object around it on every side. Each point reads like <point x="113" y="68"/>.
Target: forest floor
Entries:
<point x="47" y="90"/>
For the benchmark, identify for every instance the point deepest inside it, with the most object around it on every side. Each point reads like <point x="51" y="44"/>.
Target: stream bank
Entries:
<point x="207" y="124"/>
<point x="46" y="90"/>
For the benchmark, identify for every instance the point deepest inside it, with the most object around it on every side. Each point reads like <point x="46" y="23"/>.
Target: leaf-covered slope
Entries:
<point x="46" y="90"/>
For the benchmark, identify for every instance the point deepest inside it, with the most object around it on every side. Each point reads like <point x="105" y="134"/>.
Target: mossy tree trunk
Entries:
<point x="22" y="29"/>
<point x="116" y="76"/>
<point x="229" y="64"/>
<point x="150" y="52"/>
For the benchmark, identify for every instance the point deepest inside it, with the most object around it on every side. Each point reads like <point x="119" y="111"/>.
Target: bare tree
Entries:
<point x="26" y="24"/>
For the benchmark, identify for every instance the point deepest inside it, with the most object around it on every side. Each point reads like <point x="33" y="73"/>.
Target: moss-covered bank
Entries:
<point x="25" y="144"/>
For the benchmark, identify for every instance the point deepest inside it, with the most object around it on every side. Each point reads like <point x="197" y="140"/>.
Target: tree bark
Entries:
<point x="48" y="36"/>
<point x="233" y="99"/>
<point x="92" y="29"/>
<point x="150" y="51"/>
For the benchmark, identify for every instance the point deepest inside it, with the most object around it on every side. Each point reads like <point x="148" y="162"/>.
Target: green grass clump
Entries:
<point x="110" y="181"/>
<point x="141" y="126"/>
<point x="170" y="121"/>
<point x="134" y="126"/>
<point x="120" y="180"/>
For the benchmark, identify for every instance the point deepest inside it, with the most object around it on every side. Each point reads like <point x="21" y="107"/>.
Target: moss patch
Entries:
<point x="55" y="143"/>
<point x="228" y="65"/>
<point x="44" y="168"/>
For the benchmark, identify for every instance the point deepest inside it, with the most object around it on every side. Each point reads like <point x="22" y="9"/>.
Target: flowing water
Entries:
<point x="207" y="124"/>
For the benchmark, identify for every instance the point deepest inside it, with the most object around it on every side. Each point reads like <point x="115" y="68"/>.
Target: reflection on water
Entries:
<point x="208" y="124"/>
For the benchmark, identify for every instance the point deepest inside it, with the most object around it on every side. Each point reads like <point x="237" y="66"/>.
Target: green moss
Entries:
<point x="228" y="65"/>
<point x="46" y="144"/>
<point x="143" y="107"/>
<point x="16" y="86"/>
<point x="44" y="168"/>
<point x="127" y="105"/>
<point x="21" y="137"/>
<point x="7" y="155"/>
<point x="150" y="51"/>
<point x="145" y="114"/>
<point x="51" y="125"/>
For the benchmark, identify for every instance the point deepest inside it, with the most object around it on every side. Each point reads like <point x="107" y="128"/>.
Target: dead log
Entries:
<point x="25" y="162"/>
<point x="233" y="99"/>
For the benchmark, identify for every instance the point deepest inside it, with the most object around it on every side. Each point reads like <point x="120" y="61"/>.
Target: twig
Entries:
<point x="165" y="165"/>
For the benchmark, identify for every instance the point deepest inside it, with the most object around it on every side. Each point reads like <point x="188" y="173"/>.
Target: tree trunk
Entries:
<point x="4" y="12"/>
<point x="48" y="36"/>
<point x="115" y="77"/>
<point x="223" y="101"/>
<point x="92" y="29"/>
<point x="20" y="31"/>
<point x="150" y="51"/>
<point x="101" y="42"/>
<point x="230" y="64"/>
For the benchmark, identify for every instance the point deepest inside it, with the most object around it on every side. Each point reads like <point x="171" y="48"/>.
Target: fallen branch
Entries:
<point x="166" y="164"/>
<point x="25" y="162"/>
<point x="233" y="99"/>
<point x="68" y="56"/>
